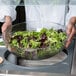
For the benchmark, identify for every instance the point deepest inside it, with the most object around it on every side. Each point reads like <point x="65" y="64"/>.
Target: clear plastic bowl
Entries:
<point x="31" y="53"/>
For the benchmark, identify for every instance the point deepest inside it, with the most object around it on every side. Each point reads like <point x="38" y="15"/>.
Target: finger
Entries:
<point x="71" y="34"/>
<point x="70" y="37"/>
<point x="4" y="27"/>
<point x="69" y="29"/>
<point x="67" y="44"/>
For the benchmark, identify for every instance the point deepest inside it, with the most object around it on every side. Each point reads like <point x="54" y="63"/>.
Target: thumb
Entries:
<point x="70" y="37"/>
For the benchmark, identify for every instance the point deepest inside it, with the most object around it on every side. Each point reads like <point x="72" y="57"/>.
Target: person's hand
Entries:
<point x="6" y="24"/>
<point x="6" y="29"/>
<point x="71" y="30"/>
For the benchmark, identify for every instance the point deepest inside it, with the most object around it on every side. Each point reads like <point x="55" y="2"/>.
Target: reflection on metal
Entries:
<point x="23" y="73"/>
<point x="50" y="61"/>
<point x="73" y="71"/>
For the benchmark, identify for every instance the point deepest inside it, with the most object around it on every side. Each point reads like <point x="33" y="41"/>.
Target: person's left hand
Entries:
<point x="71" y="30"/>
<point x="6" y="29"/>
<point x="6" y="24"/>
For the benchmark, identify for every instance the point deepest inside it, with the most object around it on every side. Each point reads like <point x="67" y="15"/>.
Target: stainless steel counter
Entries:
<point x="23" y="73"/>
<point x="73" y="71"/>
<point x="61" y="69"/>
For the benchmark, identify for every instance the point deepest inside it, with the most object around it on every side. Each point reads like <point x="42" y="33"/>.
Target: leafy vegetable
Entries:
<point x="2" y="43"/>
<point x="48" y="39"/>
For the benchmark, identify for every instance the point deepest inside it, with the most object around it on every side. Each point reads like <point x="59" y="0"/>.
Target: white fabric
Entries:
<point x="43" y="14"/>
<point x="7" y="11"/>
<point x="7" y="8"/>
<point x="72" y="13"/>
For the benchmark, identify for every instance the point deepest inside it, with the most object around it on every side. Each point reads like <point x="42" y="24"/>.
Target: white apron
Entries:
<point x="72" y="10"/>
<point x="40" y="13"/>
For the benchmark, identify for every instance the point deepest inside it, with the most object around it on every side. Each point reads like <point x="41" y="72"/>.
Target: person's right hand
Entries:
<point x="71" y="30"/>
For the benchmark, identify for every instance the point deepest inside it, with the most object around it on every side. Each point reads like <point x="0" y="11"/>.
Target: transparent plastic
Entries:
<point x="31" y="53"/>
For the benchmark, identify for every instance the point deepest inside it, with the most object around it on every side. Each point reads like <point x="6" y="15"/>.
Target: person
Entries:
<point x="40" y="13"/>
<point x="48" y="14"/>
<point x="7" y="15"/>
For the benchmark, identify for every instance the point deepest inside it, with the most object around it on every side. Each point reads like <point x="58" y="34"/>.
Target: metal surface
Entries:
<point x="23" y="73"/>
<point x="49" y="61"/>
<point x="60" y="68"/>
<point x="73" y="71"/>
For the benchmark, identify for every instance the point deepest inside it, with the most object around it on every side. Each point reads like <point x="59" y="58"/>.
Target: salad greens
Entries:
<point x="49" y="39"/>
<point x="2" y="43"/>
